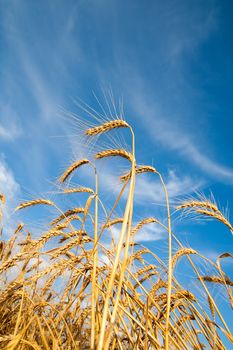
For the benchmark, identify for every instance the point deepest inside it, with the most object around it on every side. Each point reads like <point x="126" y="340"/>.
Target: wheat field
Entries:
<point x="81" y="293"/>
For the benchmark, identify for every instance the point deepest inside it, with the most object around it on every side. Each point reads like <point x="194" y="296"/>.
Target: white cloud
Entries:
<point x="10" y="188"/>
<point x="150" y="189"/>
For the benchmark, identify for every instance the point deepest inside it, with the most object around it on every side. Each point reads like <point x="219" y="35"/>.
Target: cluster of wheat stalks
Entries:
<point x="129" y="300"/>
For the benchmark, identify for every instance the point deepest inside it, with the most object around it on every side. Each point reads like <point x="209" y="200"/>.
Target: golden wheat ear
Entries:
<point x="142" y="223"/>
<point x="198" y="204"/>
<point x="66" y="214"/>
<point x="139" y="170"/>
<point x="219" y="216"/>
<point x="216" y="279"/>
<point x="2" y="198"/>
<point x="78" y="190"/>
<point x="113" y="222"/>
<point x="181" y="252"/>
<point x="114" y="124"/>
<point x="115" y="153"/>
<point x="34" y="202"/>
<point x="72" y="168"/>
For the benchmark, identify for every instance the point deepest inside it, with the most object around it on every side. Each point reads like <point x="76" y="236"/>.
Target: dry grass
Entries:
<point x="82" y="294"/>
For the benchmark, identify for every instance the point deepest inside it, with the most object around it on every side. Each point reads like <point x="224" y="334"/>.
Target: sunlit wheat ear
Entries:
<point x="34" y="202"/>
<point x="87" y="206"/>
<point x="115" y="153"/>
<point x="180" y="253"/>
<point x="219" y="217"/>
<point x="2" y="198"/>
<point x="142" y="223"/>
<point x="112" y="222"/>
<point x="72" y="168"/>
<point x="159" y="285"/>
<point x="198" y="204"/>
<point x="138" y="255"/>
<point x="114" y="124"/>
<point x="182" y="294"/>
<point x="19" y="228"/>
<point x="211" y="306"/>
<point x="145" y="269"/>
<point x="216" y="279"/>
<point x="139" y="170"/>
<point x="78" y="190"/>
<point x="72" y="234"/>
<point x="67" y="214"/>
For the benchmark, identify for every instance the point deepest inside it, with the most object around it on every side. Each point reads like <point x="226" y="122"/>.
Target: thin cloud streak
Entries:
<point x="174" y="138"/>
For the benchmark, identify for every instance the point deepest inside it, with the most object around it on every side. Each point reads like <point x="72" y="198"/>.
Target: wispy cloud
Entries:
<point x="148" y="189"/>
<point x="10" y="127"/>
<point x="179" y="140"/>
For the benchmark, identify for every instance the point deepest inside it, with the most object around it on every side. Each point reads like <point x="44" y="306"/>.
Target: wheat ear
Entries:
<point x="139" y="170"/>
<point x="114" y="153"/>
<point x="142" y="223"/>
<point x="114" y="124"/>
<point x="216" y="279"/>
<point x="34" y="202"/>
<point x="217" y="216"/>
<point x="182" y="252"/>
<point x="67" y="214"/>
<point x="72" y="168"/>
<point x="78" y="190"/>
<point x="196" y="204"/>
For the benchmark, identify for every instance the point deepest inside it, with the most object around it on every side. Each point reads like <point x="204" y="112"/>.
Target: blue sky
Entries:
<point x="170" y="61"/>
